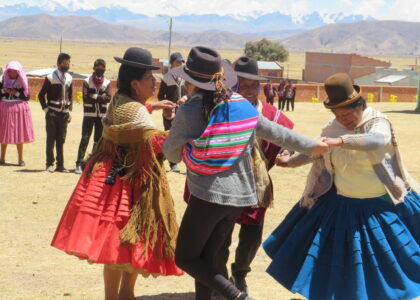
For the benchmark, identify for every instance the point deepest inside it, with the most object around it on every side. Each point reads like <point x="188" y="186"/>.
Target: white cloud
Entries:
<point x="405" y="10"/>
<point x="381" y="9"/>
<point x="345" y="2"/>
<point x="372" y="8"/>
<point x="220" y="7"/>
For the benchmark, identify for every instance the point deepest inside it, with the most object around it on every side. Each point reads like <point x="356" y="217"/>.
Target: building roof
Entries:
<point x="269" y="65"/>
<point x="47" y="71"/>
<point x="392" y="78"/>
<point x="164" y="61"/>
<point x="40" y="72"/>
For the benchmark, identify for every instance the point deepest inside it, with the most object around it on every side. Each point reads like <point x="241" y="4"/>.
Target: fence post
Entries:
<point x="317" y="91"/>
<point x="380" y="94"/>
<point x="418" y="95"/>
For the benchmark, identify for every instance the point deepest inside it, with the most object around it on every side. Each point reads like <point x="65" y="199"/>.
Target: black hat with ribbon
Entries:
<point x="206" y="70"/>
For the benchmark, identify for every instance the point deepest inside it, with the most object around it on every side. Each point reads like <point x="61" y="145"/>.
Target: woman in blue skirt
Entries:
<point x="355" y="233"/>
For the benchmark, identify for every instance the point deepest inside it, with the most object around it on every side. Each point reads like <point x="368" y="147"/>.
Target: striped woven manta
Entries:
<point x="231" y="125"/>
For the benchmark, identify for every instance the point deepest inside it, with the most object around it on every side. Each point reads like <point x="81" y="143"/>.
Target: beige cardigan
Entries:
<point x="383" y="153"/>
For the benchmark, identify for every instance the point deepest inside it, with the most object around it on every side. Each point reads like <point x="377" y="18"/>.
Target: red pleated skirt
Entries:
<point x="91" y="224"/>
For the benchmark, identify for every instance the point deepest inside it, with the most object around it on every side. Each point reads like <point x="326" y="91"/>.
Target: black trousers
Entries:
<point x="87" y="127"/>
<point x="56" y="126"/>
<point x="269" y="100"/>
<point x="204" y="228"/>
<point x="290" y="101"/>
<point x="281" y="104"/>
<point x="250" y="239"/>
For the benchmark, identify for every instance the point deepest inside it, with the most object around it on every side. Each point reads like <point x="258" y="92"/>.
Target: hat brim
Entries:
<point x="136" y="64"/>
<point x="178" y="60"/>
<point x="229" y="77"/>
<point x="250" y="76"/>
<point x="332" y="105"/>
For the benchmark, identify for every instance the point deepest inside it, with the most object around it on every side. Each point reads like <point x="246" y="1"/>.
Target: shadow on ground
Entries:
<point x="411" y="112"/>
<point x="29" y="171"/>
<point x="167" y="296"/>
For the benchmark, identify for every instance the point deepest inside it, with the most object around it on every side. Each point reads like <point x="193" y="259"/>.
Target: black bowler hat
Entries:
<point x="340" y="91"/>
<point x="247" y="67"/>
<point x="138" y="58"/>
<point x="203" y="67"/>
<point x="176" y="56"/>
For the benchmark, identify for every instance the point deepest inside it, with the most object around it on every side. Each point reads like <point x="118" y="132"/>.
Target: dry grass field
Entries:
<point x="32" y="201"/>
<point x="83" y="54"/>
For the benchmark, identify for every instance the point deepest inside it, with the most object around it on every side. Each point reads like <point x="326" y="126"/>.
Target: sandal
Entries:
<point x="22" y="164"/>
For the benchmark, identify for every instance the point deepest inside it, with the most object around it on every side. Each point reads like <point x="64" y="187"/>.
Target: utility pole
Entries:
<point x="170" y="41"/>
<point x="418" y="94"/>
<point x="61" y="43"/>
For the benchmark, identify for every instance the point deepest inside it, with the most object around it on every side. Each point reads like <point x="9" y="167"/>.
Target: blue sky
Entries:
<point x="405" y="10"/>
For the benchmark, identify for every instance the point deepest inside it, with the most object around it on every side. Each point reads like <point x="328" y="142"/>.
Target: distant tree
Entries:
<point x="266" y="50"/>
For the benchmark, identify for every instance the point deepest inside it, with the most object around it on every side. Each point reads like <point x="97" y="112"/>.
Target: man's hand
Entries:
<point x="69" y="119"/>
<point x="321" y="147"/>
<point x="282" y="159"/>
<point x="164" y="104"/>
<point x="93" y="96"/>
<point x="334" y="142"/>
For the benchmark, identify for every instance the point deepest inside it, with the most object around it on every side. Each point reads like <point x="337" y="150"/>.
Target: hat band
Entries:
<point x="211" y="77"/>
<point x="216" y="77"/>
<point x="352" y="98"/>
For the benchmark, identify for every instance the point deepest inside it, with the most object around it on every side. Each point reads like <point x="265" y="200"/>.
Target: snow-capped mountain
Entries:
<point x="273" y="24"/>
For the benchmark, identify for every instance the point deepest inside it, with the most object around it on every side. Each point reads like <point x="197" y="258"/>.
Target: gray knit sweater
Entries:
<point x="236" y="186"/>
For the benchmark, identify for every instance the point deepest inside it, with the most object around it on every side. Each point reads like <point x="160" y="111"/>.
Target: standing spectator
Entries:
<point x="15" y="113"/>
<point x="282" y="95"/>
<point x="290" y="92"/>
<point x="172" y="89"/>
<point x="269" y="92"/>
<point x="57" y="88"/>
<point x="96" y="95"/>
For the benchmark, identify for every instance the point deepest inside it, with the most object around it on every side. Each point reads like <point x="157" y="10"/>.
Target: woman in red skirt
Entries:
<point x="121" y="213"/>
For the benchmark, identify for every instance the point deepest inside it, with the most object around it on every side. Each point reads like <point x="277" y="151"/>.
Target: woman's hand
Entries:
<point x="334" y="142"/>
<point x="182" y="100"/>
<point x="321" y="147"/>
<point x="13" y="92"/>
<point x="282" y="159"/>
<point x="169" y="113"/>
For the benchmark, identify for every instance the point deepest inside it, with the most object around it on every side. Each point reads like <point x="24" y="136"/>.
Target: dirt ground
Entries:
<point x="32" y="201"/>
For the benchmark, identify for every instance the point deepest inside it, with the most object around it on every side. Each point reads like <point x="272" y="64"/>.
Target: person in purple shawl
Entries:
<point x="15" y="114"/>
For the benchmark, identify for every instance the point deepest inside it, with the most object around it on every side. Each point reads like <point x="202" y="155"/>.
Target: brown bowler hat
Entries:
<point x="341" y="91"/>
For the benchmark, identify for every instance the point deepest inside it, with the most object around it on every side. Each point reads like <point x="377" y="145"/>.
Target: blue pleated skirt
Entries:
<point x="349" y="249"/>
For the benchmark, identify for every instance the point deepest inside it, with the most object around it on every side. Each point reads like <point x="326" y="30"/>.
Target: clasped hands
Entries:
<point x="322" y="146"/>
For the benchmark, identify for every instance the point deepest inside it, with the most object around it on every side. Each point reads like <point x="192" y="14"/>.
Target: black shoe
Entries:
<point x="240" y="283"/>
<point x="78" y="169"/>
<point x="2" y="162"/>
<point x="62" y="170"/>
